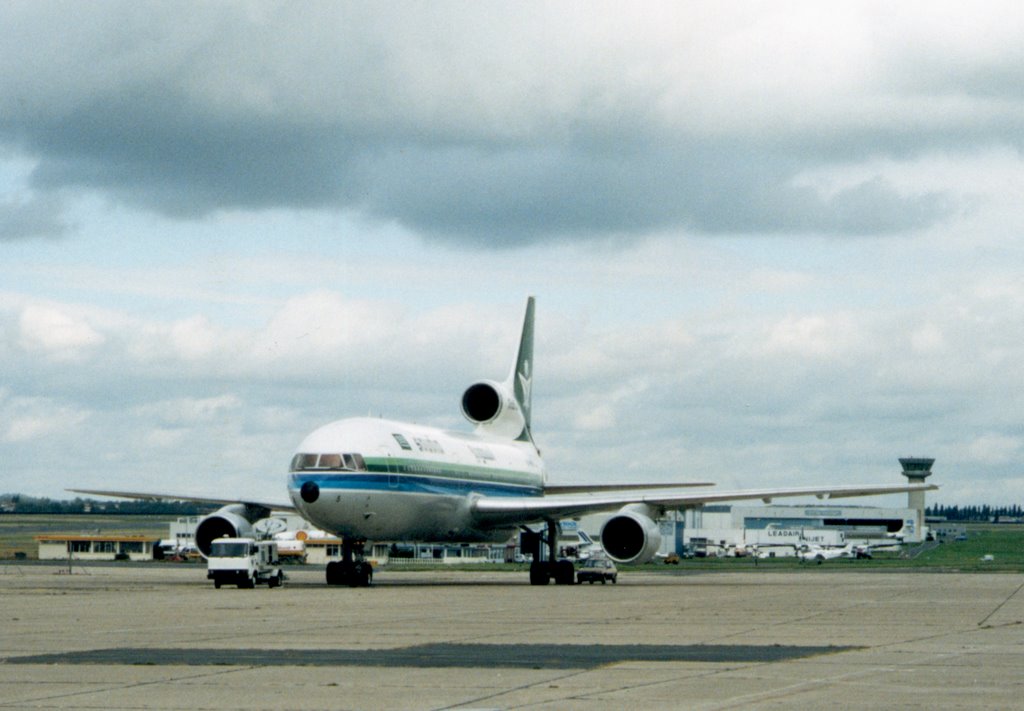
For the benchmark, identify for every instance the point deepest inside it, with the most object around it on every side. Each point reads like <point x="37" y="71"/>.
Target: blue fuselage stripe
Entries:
<point x="410" y="484"/>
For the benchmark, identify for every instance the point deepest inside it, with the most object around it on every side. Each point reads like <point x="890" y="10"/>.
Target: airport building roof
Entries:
<point x="55" y="537"/>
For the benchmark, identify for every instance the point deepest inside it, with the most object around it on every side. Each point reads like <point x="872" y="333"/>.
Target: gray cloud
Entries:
<point x="38" y="217"/>
<point x="484" y="127"/>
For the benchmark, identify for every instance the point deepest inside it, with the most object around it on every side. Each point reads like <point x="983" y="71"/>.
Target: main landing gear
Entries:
<point x="563" y="572"/>
<point x="352" y="570"/>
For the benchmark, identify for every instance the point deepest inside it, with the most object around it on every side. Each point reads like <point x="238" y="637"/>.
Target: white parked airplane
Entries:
<point x="819" y="554"/>
<point x="374" y="479"/>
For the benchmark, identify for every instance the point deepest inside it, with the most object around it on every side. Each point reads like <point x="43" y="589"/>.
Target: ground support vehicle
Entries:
<point x="244" y="562"/>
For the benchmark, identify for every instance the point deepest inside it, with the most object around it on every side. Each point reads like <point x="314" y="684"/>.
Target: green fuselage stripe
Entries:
<point x="453" y="471"/>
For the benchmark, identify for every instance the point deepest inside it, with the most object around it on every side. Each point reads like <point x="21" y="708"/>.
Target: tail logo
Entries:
<point x="525" y="381"/>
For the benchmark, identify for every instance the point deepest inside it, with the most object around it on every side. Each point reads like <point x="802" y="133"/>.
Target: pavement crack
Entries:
<point x="1000" y="605"/>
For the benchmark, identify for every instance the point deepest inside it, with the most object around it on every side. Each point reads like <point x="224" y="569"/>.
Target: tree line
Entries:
<point x="21" y="504"/>
<point x="982" y="512"/>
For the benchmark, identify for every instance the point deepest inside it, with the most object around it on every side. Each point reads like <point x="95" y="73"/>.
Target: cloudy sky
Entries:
<point x="773" y="244"/>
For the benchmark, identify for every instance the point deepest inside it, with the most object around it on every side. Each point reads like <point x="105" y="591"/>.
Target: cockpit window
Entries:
<point x="332" y="462"/>
<point x="304" y="461"/>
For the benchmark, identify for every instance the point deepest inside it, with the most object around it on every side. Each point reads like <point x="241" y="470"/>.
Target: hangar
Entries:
<point x="730" y="529"/>
<point x="725" y="530"/>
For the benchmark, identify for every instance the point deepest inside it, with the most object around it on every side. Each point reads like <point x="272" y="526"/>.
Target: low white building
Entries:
<point x="64" y="546"/>
<point x="181" y="535"/>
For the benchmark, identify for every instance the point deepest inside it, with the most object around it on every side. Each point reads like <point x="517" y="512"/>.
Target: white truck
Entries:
<point x="243" y="562"/>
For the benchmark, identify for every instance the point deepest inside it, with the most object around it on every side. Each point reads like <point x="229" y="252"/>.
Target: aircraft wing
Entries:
<point x="274" y="505"/>
<point x="595" y="488"/>
<point x="525" y="509"/>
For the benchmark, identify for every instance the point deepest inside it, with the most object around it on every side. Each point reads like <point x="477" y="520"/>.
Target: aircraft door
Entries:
<point x="392" y="469"/>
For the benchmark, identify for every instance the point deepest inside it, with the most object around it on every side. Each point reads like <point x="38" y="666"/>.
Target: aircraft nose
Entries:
<point x="309" y="492"/>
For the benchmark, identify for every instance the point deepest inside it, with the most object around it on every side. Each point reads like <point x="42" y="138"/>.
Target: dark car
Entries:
<point x="597" y="570"/>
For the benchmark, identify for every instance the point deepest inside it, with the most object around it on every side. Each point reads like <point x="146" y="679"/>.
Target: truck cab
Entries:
<point x="244" y="562"/>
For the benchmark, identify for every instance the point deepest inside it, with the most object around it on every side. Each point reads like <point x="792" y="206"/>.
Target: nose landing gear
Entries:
<point x="352" y="570"/>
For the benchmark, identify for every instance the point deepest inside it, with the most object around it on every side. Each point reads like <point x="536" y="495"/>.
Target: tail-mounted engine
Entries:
<point x="493" y="409"/>
<point x="233" y="521"/>
<point x="631" y="536"/>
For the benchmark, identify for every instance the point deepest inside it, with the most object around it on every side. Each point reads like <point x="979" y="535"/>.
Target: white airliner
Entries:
<point x="374" y="479"/>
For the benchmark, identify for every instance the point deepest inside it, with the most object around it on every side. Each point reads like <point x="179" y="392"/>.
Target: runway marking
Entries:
<point x="442" y="655"/>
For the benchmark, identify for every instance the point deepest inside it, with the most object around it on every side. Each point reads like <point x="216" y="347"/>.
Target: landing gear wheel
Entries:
<point x="540" y="573"/>
<point x="361" y="575"/>
<point x="354" y="573"/>
<point x="334" y="573"/>
<point x="565" y="572"/>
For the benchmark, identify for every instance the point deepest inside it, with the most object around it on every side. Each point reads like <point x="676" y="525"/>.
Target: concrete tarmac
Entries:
<point x="160" y="637"/>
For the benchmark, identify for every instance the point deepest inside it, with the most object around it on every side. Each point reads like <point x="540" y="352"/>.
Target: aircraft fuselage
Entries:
<point x="381" y="480"/>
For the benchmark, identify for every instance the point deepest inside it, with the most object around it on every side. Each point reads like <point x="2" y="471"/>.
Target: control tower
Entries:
<point x="916" y="470"/>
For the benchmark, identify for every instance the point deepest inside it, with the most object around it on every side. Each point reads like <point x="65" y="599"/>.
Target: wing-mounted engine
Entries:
<point x="232" y="521"/>
<point x="631" y="535"/>
<point x="493" y="409"/>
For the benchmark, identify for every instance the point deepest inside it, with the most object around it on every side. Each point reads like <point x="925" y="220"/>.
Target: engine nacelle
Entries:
<point x="492" y="408"/>
<point x="630" y="537"/>
<point x="233" y="521"/>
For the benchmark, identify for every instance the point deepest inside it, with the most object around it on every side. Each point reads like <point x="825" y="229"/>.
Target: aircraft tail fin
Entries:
<point x="520" y="380"/>
<point x="503" y="409"/>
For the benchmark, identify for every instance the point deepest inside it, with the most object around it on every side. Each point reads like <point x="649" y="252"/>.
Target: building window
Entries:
<point x="78" y="546"/>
